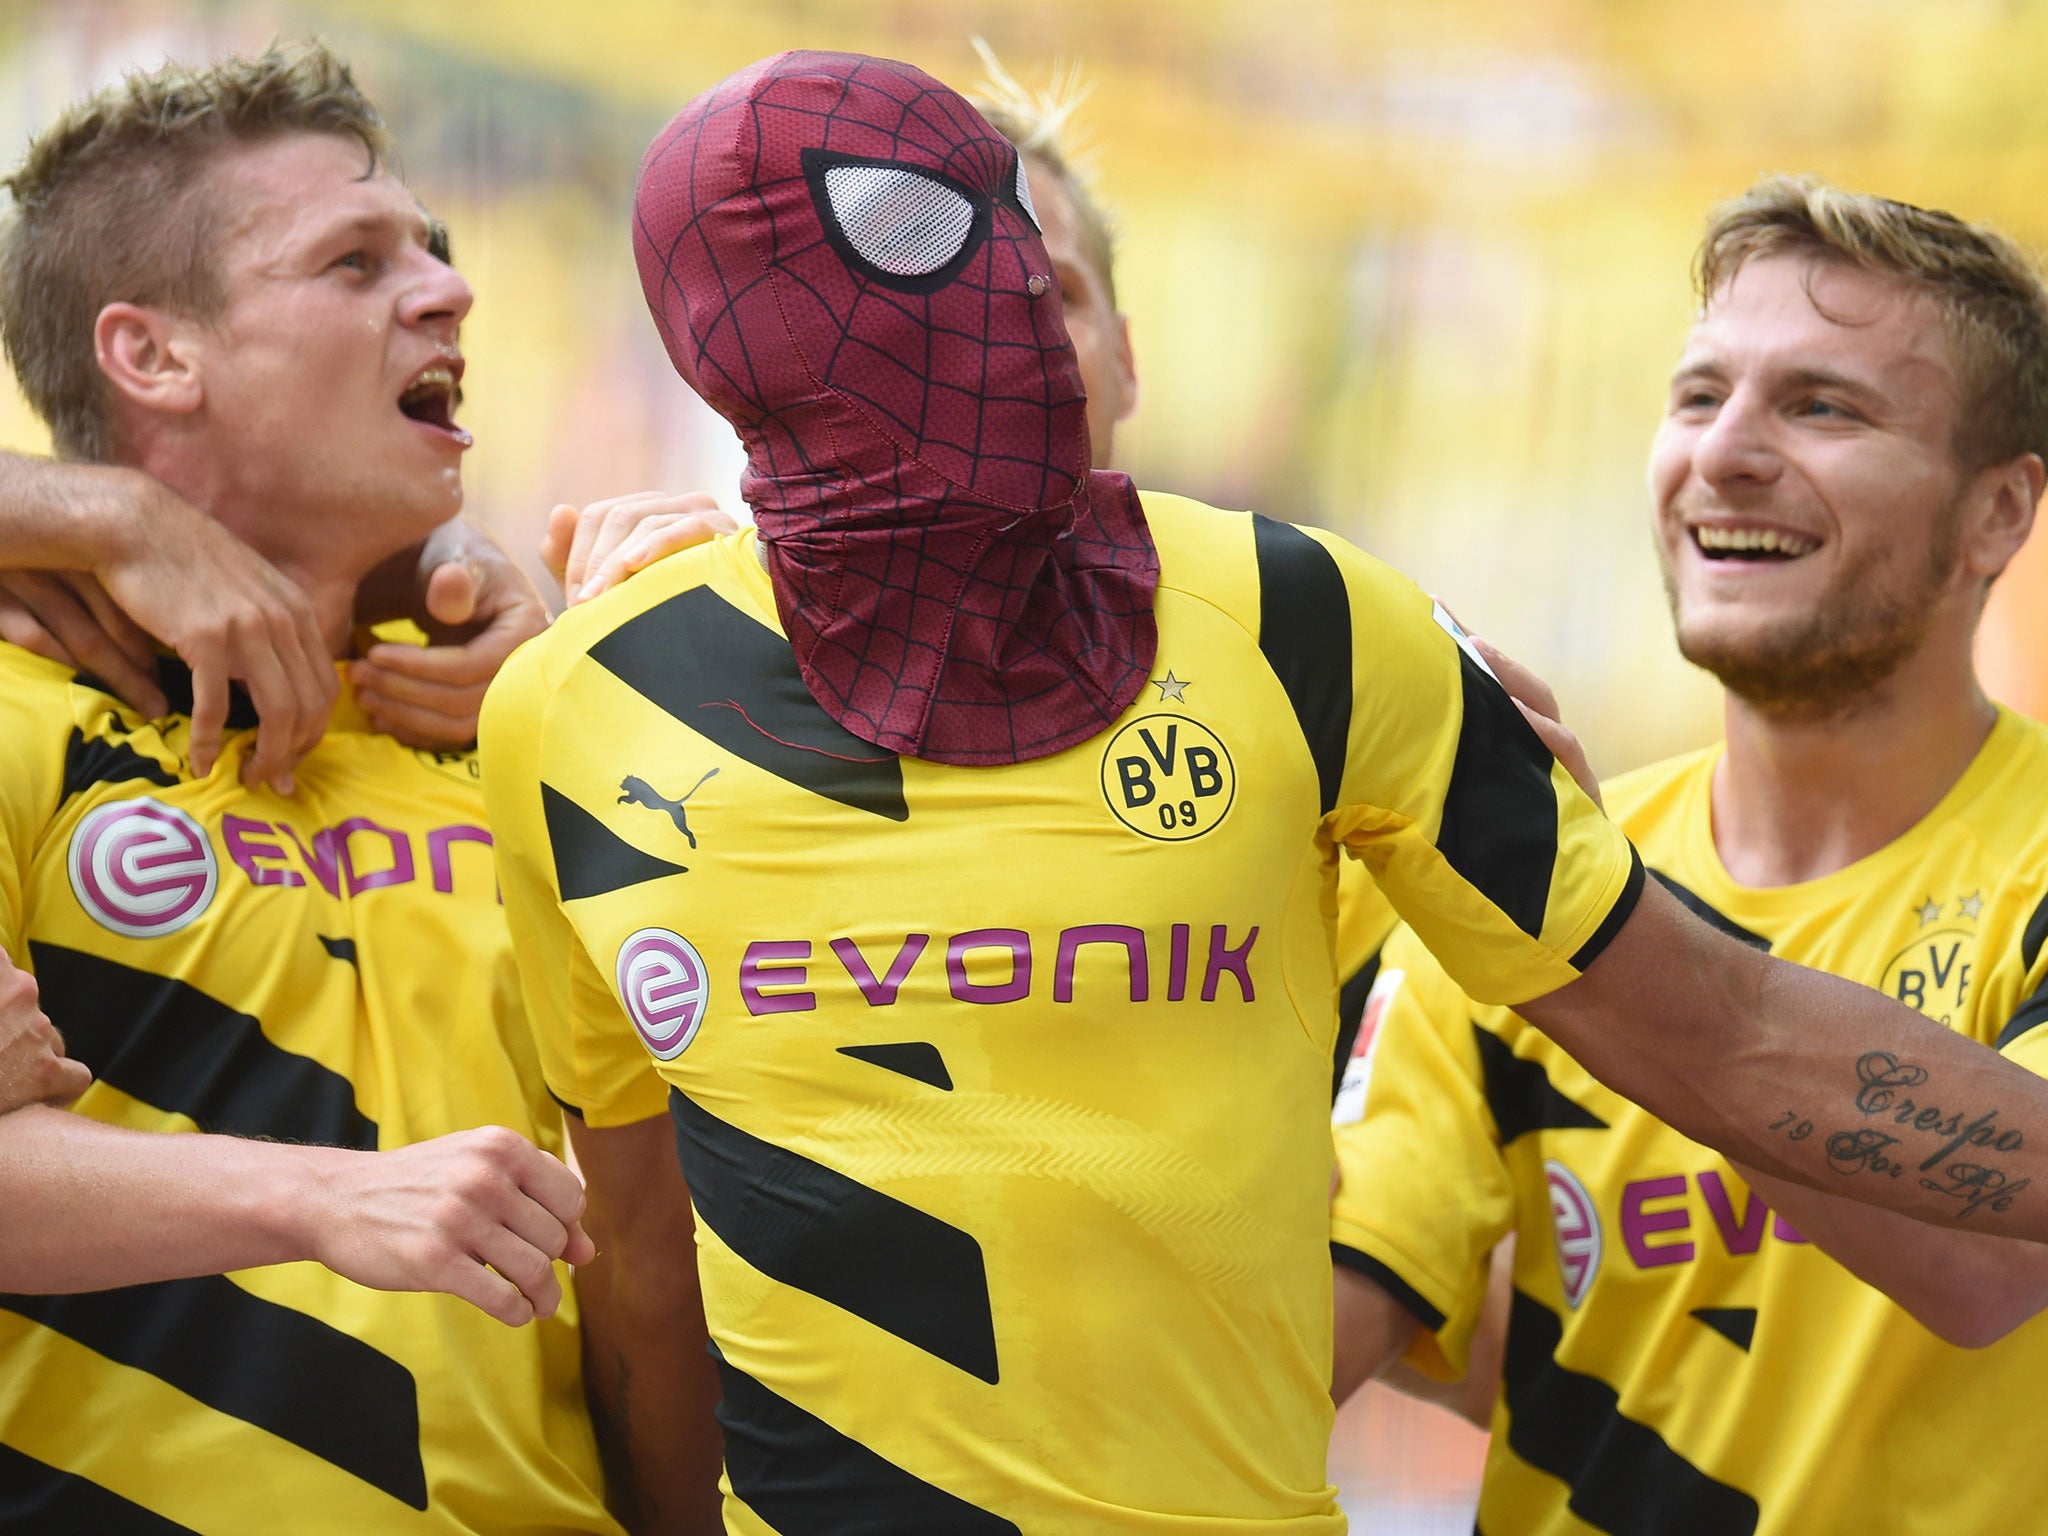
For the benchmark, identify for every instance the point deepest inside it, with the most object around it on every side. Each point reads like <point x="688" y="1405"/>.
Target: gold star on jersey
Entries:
<point x="1030" y="1064"/>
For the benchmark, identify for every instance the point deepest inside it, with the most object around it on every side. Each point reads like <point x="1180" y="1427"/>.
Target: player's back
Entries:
<point x="329" y="969"/>
<point x="1001" y="1091"/>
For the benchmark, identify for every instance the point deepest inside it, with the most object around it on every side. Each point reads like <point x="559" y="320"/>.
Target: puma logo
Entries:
<point x="637" y="791"/>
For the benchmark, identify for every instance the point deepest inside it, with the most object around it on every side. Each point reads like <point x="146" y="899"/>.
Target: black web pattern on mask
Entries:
<point x="1031" y="638"/>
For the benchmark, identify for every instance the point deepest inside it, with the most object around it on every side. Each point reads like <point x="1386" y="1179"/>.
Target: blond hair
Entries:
<point x="1987" y="291"/>
<point x="110" y="207"/>
<point x="1038" y="123"/>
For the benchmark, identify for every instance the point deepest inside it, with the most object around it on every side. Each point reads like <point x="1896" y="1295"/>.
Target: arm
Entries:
<point x="1965" y="1287"/>
<point x="126" y="542"/>
<point x="1373" y="1330"/>
<point x="1473" y="1394"/>
<point x="480" y="1214"/>
<point x="647" y="1367"/>
<point x="1807" y="1077"/>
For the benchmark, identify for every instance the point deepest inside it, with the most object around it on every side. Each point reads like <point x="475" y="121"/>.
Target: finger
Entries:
<point x="68" y="1079"/>
<point x="552" y="1184"/>
<point x="87" y="646"/>
<point x="276" y="697"/>
<point x="490" y="1292"/>
<point x="379" y="686"/>
<point x="209" y="704"/>
<point x="450" y="666"/>
<point x="135" y="641"/>
<point x="1565" y="747"/>
<point x="529" y="1268"/>
<point x="452" y="592"/>
<point x="312" y="669"/>
<point x="590" y="525"/>
<point x="427" y="729"/>
<point x="579" y="1249"/>
<point x="18" y="626"/>
<point x="555" y="543"/>
<point x="666" y="537"/>
<point x="1521" y="683"/>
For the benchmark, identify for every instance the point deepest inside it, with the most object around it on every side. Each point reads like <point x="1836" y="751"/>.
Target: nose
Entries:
<point x="439" y="295"/>
<point x="1735" y="447"/>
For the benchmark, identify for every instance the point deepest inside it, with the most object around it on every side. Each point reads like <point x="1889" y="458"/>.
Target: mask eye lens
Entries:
<point x="898" y="221"/>
<point x="1024" y="196"/>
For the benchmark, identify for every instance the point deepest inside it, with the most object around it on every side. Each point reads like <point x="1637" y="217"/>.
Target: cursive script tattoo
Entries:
<point x="1883" y="1075"/>
<point x="1854" y="1151"/>
<point x="1975" y="1185"/>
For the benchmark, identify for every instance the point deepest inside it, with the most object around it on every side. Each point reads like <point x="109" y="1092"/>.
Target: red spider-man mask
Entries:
<point x="842" y="259"/>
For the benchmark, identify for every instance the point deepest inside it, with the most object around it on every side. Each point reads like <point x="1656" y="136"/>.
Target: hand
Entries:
<point x="1538" y="705"/>
<point x="230" y="615"/>
<point x="479" y="608"/>
<point x="600" y="545"/>
<point x="480" y="1214"/>
<point x="68" y="617"/>
<point x="33" y="1066"/>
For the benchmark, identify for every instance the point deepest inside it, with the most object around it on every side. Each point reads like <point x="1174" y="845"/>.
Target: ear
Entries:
<point x="148" y="358"/>
<point x="1127" y="366"/>
<point x="2003" y="514"/>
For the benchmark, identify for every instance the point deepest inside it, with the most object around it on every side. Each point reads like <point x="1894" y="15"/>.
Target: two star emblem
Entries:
<point x="1970" y="906"/>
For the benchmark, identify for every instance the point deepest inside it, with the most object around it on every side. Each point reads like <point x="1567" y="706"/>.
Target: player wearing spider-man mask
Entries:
<point x="946" y="871"/>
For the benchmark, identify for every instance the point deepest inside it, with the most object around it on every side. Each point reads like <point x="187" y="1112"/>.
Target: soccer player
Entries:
<point x="213" y="277"/>
<point x="1851" y="452"/>
<point x="945" y="870"/>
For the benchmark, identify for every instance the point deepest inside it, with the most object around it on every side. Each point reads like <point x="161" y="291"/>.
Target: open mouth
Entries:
<point x="431" y="400"/>
<point x="1752" y="545"/>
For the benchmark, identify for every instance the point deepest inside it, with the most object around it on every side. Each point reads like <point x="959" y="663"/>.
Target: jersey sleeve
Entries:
<point x="1424" y="1193"/>
<point x="590" y="1054"/>
<point x="2024" y="1034"/>
<point x="1430" y="775"/>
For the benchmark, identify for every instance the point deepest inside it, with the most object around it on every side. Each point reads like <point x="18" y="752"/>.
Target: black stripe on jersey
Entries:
<point x="2035" y="936"/>
<point x="913" y="1058"/>
<point x="1412" y="1301"/>
<point x="805" y="1478"/>
<point x="179" y="1050"/>
<point x="175" y="678"/>
<point x="1351" y="999"/>
<point x="1500" y="813"/>
<point x="1735" y="1324"/>
<point x="1521" y="1095"/>
<point x="268" y="1365"/>
<point x="1617" y="915"/>
<point x="814" y="1229"/>
<point x="1625" y="1479"/>
<point x="41" y="1498"/>
<point x="590" y="858"/>
<point x="1305" y="636"/>
<point x="1711" y="916"/>
<point x="339" y="949"/>
<point x="2029" y="1016"/>
<point x="99" y="761"/>
<point x="735" y="681"/>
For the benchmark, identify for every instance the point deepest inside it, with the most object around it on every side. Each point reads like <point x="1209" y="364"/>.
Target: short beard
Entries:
<point x="1828" y="662"/>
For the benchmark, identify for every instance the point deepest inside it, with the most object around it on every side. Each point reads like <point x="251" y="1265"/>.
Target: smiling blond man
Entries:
<point x="1851" y="453"/>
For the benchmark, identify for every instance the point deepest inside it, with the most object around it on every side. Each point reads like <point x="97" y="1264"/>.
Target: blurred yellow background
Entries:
<point x="1414" y="270"/>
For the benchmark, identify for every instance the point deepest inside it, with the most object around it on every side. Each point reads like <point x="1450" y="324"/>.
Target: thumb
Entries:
<point x="452" y="592"/>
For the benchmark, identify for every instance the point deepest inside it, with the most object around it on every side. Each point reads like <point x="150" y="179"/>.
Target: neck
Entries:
<point x="309" y="551"/>
<point x="1796" y="798"/>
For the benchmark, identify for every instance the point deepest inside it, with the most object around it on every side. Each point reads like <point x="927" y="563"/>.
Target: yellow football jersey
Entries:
<point x="1002" y="1093"/>
<point x="334" y="969"/>
<point x="1678" y="1357"/>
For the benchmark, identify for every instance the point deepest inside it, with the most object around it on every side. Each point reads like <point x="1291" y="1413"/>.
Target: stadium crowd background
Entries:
<point x="1407" y="270"/>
